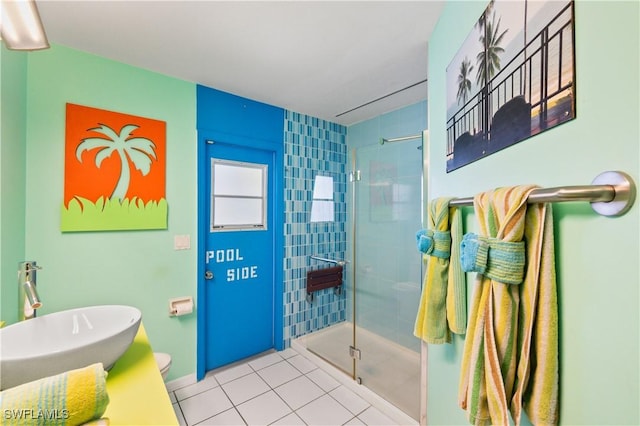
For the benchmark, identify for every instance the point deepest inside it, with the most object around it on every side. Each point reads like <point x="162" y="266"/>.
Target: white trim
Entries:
<point x="181" y="382"/>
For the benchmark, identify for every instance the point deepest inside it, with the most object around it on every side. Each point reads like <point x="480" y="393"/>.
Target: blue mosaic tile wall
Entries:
<point x="312" y="147"/>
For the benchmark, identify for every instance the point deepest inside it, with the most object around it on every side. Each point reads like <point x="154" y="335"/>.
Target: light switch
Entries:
<point x="181" y="242"/>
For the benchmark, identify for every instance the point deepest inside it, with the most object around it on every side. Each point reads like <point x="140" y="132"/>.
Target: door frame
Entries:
<point x="276" y="209"/>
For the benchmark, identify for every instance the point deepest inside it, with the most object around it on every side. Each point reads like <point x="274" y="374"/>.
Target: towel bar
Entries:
<point x="324" y="259"/>
<point x="611" y="193"/>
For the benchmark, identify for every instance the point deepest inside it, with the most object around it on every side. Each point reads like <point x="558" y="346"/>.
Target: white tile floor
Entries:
<point x="390" y="370"/>
<point x="279" y="388"/>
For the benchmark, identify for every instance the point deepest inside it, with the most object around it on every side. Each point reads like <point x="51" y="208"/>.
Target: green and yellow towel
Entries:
<point x="71" y="398"/>
<point x="510" y="358"/>
<point x="443" y="305"/>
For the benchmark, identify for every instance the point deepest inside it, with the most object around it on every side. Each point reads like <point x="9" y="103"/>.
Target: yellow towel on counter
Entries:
<point x="103" y="421"/>
<point x="510" y="357"/>
<point x="71" y="398"/>
<point x="443" y="304"/>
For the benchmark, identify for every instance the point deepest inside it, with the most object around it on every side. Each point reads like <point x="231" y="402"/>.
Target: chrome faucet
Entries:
<point x="29" y="300"/>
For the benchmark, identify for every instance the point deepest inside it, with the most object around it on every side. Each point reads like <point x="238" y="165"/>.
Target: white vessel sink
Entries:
<point x="62" y="341"/>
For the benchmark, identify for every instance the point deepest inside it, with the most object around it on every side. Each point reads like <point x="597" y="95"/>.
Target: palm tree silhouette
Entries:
<point x="489" y="59"/>
<point x="483" y="18"/>
<point x="524" y="68"/>
<point x="139" y="150"/>
<point x="464" y="84"/>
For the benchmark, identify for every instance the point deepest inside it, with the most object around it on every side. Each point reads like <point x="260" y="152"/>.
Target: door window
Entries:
<point x="238" y="196"/>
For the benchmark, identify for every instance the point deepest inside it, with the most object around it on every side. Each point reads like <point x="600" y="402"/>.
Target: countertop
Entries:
<point x="137" y="394"/>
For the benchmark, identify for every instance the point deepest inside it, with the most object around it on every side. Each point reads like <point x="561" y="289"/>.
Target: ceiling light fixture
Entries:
<point x="20" y="25"/>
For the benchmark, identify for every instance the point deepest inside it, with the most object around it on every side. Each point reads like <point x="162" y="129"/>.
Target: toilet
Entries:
<point x="164" y="363"/>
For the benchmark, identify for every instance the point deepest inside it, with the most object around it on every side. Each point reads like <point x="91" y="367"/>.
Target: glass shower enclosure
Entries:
<point x="375" y="345"/>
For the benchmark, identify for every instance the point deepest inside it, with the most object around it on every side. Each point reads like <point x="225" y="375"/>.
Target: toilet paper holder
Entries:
<point x="180" y="306"/>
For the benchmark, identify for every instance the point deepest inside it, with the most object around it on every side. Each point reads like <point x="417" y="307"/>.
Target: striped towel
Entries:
<point x="510" y="358"/>
<point x="443" y="305"/>
<point x="71" y="398"/>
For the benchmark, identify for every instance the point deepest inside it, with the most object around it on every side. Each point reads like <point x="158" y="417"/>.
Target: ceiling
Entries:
<point x="342" y="61"/>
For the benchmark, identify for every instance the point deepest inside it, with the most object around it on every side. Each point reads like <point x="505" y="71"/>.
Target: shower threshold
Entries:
<point x="389" y="372"/>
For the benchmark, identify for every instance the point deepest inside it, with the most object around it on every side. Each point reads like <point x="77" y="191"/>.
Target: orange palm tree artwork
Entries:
<point x="114" y="171"/>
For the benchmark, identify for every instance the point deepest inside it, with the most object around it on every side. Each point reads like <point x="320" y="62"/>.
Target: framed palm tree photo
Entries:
<point x="513" y="77"/>
<point x="114" y="175"/>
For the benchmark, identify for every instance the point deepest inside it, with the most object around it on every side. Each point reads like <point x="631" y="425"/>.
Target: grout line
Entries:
<point x="347" y="408"/>
<point x="182" y="413"/>
<point x="196" y="394"/>
<point x="273" y="389"/>
<point x="240" y="414"/>
<point x="174" y="385"/>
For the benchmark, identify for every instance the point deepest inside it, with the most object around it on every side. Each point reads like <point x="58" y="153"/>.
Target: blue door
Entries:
<point x="238" y="253"/>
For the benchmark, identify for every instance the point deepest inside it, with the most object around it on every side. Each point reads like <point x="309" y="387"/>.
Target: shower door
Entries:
<point x="375" y="344"/>
<point x="387" y="212"/>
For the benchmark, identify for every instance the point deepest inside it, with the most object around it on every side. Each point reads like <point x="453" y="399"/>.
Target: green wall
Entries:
<point x="13" y="115"/>
<point x="138" y="268"/>
<point x="596" y="257"/>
